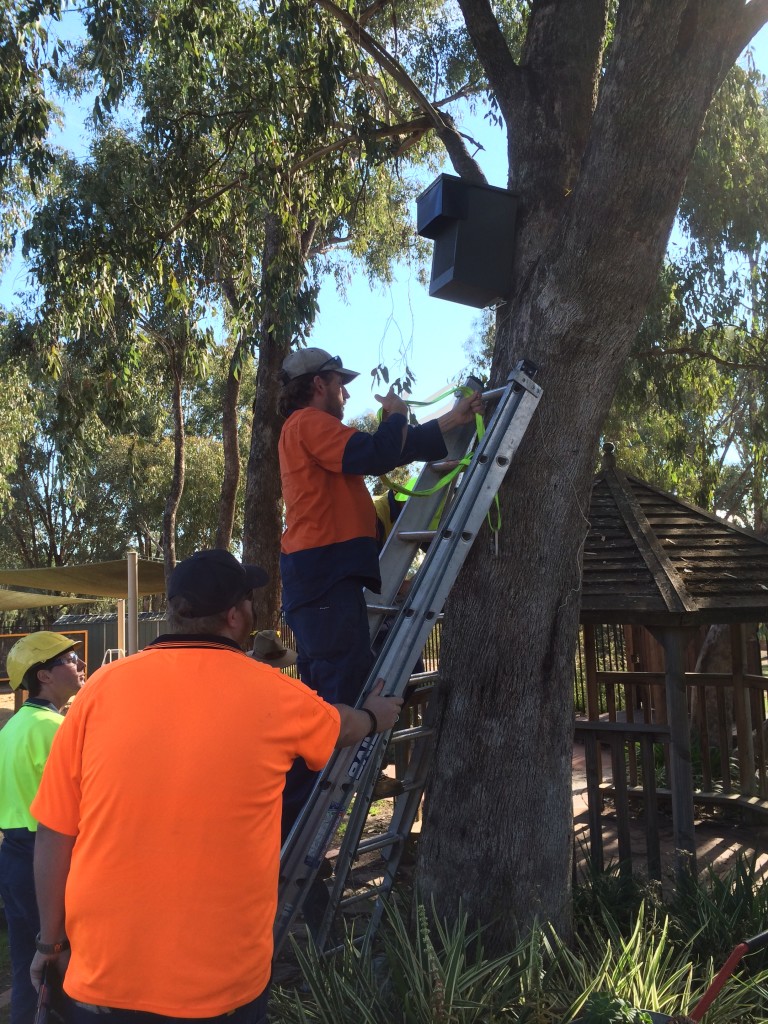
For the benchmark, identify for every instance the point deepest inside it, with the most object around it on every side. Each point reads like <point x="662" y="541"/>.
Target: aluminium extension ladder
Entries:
<point x="353" y="771"/>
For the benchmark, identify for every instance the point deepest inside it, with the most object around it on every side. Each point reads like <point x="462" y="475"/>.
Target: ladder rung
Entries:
<point x="372" y="892"/>
<point x="380" y="842"/>
<point x="416" y="733"/>
<point x="383" y="609"/>
<point x="416" y="535"/>
<point x="423" y="677"/>
<point x="445" y="465"/>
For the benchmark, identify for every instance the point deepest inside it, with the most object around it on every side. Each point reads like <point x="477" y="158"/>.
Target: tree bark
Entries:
<point x="179" y="468"/>
<point x="498" y="817"/>
<point x="229" y="437"/>
<point x="283" y="270"/>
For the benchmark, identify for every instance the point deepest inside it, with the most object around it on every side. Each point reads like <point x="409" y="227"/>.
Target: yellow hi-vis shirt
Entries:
<point x="25" y="742"/>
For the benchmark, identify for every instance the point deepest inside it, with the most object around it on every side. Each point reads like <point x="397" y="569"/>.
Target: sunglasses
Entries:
<point x="66" y="659"/>
<point x="334" y="363"/>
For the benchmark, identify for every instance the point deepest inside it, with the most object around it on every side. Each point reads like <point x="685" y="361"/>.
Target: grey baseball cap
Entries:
<point x="306" y="361"/>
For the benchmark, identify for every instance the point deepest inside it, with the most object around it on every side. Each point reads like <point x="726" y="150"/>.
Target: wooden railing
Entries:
<point x="638" y="757"/>
<point x="736" y="735"/>
<point x="626" y="765"/>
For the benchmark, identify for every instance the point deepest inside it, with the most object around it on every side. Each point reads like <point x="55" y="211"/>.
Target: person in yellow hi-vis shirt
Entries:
<point x="45" y="665"/>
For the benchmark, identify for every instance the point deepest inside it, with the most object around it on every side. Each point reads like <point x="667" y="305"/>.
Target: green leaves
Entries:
<point x="604" y="1008"/>
<point x="24" y="109"/>
<point x="690" y="414"/>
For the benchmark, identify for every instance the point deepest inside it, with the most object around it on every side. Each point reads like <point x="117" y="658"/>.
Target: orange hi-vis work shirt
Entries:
<point x="169" y="769"/>
<point x="324" y="504"/>
<point x="330" y="521"/>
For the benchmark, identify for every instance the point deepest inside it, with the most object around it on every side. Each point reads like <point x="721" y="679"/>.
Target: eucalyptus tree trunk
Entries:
<point x="229" y="434"/>
<point x="179" y="468"/>
<point x="283" y="270"/>
<point x="600" y="175"/>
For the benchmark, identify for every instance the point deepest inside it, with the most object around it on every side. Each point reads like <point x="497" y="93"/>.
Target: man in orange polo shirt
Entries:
<point x="158" y="849"/>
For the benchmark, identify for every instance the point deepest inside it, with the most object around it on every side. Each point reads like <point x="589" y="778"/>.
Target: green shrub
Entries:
<point x="643" y="956"/>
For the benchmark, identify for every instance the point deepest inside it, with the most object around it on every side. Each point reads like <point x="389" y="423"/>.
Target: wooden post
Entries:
<point x="594" y="773"/>
<point x="621" y="801"/>
<point x="651" y="808"/>
<point x="590" y="665"/>
<point x="121" y="626"/>
<point x="743" y="712"/>
<point x="132" y="563"/>
<point x="681" y="781"/>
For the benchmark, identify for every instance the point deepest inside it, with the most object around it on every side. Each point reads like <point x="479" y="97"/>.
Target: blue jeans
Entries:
<point x="17" y="888"/>
<point x="254" y="1012"/>
<point x="335" y="658"/>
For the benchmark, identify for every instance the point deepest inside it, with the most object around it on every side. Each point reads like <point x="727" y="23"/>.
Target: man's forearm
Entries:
<point x="53" y="854"/>
<point x="377" y="712"/>
<point x="355" y="725"/>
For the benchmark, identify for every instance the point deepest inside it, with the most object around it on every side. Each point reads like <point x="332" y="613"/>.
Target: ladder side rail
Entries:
<point x="394" y="855"/>
<point x="447" y="552"/>
<point x="406" y="808"/>
<point x="463" y="520"/>
<point x="304" y="849"/>
<point x="397" y="555"/>
<point x="355" y="823"/>
<point x="441" y="551"/>
<point x="334" y="790"/>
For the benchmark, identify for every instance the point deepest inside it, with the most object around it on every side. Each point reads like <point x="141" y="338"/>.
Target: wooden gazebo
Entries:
<point x="653" y="560"/>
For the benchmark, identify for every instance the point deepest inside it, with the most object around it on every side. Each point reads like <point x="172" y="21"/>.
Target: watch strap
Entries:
<point x="51" y="948"/>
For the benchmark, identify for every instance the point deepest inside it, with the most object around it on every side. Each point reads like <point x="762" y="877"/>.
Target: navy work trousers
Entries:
<point x="335" y="659"/>
<point x="252" y="1013"/>
<point x="17" y="888"/>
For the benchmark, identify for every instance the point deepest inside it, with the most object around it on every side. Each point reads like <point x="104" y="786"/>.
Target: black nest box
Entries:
<point x="473" y="227"/>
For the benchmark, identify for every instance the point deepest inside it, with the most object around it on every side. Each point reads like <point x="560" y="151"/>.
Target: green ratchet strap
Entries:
<point x="493" y="522"/>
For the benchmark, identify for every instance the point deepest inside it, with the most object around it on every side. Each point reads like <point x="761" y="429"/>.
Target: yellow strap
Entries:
<point x="494" y="524"/>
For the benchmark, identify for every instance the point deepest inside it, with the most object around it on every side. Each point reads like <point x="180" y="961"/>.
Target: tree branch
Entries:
<point x="371" y="11"/>
<point x="443" y="124"/>
<point x="493" y="52"/>
<point x="203" y="201"/>
<point x="749" y="20"/>
<point x="697" y="353"/>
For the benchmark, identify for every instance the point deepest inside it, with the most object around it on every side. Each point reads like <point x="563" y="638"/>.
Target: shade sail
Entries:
<point x="15" y="600"/>
<point x="101" y="579"/>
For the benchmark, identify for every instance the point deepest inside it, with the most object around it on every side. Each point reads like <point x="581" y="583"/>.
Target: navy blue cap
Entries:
<point x="213" y="581"/>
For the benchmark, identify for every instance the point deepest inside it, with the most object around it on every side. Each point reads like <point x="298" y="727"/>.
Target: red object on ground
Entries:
<point x="749" y="946"/>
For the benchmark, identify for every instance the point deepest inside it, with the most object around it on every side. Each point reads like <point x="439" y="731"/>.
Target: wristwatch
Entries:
<point x="51" y="948"/>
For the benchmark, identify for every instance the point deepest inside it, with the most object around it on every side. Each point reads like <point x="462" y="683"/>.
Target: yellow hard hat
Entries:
<point x="34" y="649"/>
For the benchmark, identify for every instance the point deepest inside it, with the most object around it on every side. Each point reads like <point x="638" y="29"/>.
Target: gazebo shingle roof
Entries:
<point x="653" y="559"/>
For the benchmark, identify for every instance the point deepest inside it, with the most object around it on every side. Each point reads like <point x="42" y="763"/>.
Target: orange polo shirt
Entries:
<point x="330" y="521"/>
<point x="169" y="769"/>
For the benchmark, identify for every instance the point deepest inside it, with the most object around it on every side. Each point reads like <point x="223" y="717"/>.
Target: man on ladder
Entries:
<point x="329" y="550"/>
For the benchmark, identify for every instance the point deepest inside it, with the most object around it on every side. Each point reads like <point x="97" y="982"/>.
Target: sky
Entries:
<point x="396" y="324"/>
